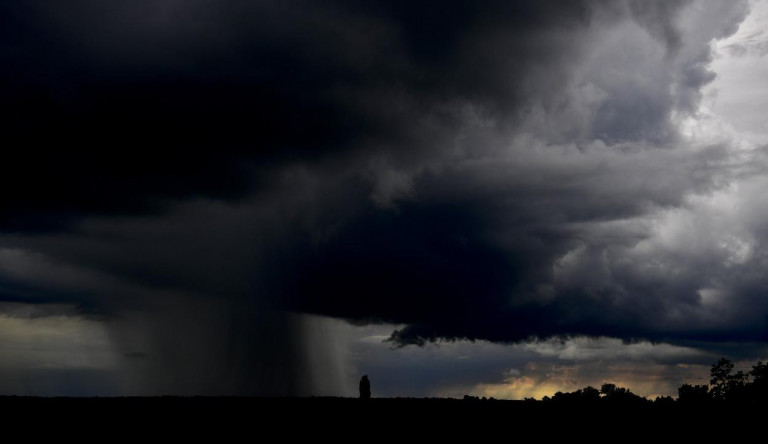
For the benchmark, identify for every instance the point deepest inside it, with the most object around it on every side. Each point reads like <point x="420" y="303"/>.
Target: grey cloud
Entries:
<point x="659" y="19"/>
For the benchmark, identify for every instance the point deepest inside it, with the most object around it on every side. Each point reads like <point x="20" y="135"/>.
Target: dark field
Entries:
<point x="254" y="419"/>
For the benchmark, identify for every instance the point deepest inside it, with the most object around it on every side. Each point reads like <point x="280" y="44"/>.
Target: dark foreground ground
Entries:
<point x="384" y="419"/>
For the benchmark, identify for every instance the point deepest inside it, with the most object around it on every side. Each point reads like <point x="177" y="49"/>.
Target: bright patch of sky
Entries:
<point x="738" y="97"/>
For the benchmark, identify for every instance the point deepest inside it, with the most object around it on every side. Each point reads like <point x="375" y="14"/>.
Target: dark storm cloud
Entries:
<point x="115" y="108"/>
<point x="494" y="170"/>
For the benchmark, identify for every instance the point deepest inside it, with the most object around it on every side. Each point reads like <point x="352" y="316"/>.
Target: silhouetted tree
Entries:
<point x="590" y="393"/>
<point x="365" y="388"/>
<point x="727" y="386"/>
<point x="693" y="394"/>
<point x="759" y="372"/>
<point x="586" y="395"/>
<point x="720" y="372"/>
<point x="607" y="389"/>
<point x="759" y="385"/>
<point x="612" y="393"/>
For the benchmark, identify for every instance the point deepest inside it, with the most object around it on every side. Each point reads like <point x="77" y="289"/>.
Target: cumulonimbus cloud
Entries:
<point x="496" y="171"/>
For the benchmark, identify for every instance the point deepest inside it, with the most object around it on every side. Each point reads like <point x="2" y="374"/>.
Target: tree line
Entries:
<point x="725" y="385"/>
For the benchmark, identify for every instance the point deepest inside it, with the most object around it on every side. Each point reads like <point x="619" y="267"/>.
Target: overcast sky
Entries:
<point x="502" y="198"/>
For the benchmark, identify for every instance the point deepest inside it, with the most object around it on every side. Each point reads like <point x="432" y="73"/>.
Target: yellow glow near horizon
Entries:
<point x="54" y="342"/>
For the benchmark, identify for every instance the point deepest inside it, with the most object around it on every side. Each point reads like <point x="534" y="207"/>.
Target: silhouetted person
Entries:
<point x="365" y="388"/>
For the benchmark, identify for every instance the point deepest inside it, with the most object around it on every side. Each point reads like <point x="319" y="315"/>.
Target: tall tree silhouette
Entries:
<point x="727" y="386"/>
<point x="365" y="387"/>
<point x="759" y="385"/>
